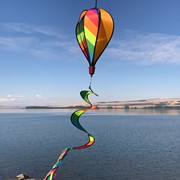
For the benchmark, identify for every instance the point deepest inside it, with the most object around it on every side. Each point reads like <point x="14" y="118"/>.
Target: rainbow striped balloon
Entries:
<point x="94" y="31"/>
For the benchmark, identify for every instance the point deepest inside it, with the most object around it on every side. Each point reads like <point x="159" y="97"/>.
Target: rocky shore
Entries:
<point x="21" y="177"/>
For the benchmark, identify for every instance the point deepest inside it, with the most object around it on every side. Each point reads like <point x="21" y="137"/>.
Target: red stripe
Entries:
<point x="93" y="16"/>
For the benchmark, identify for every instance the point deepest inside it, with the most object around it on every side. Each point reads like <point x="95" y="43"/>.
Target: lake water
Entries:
<point x="130" y="145"/>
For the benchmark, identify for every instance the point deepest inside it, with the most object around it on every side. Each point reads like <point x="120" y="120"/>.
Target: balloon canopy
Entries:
<point x="94" y="31"/>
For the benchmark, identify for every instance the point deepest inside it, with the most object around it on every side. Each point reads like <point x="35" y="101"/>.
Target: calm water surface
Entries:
<point x="130" y="145"/>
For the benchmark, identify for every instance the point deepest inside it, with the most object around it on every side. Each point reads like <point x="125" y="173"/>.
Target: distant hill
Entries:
<point x="159" y="103"/>
<point x="142" y="104"/>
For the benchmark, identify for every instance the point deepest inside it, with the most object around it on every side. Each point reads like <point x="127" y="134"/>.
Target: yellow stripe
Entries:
<point x="91" y="138"/>
<point x="91" y="38"/>
<point x="78" y="113"/>
<point x="79" y="37"/>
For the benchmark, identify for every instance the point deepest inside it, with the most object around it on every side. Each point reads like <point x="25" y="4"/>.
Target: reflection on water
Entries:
<point x="130" y="144"/>
<point x="142" y="111"/>
<point x="99" y="111"/>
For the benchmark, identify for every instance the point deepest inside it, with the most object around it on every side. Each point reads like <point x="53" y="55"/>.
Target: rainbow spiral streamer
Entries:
<point x="51" y="175"/>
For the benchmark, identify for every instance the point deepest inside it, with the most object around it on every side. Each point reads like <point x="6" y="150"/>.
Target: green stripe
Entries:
<point x="81" y="26"/>
<point x="90" y="49"/>
<point x="80" y="37"/>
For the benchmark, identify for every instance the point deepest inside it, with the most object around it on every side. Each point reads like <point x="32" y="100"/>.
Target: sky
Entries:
<point x="41" y="63"/>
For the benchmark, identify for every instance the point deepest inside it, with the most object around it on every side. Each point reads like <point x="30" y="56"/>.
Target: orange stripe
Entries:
<point x="82" y="47"/>
<point x="91" y="26"/>
<point x="82" y="15"/>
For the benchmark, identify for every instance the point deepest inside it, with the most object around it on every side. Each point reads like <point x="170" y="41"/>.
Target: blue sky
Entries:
<point x="41" y="63"/>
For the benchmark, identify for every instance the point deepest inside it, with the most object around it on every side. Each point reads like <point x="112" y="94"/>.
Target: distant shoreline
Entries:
<point x="107" y="107"/>
<point x="166" y="103"/>
<point x="159" y="103"/>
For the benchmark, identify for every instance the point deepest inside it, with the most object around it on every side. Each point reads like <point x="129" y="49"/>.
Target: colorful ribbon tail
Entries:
<point x="51" y="175"/>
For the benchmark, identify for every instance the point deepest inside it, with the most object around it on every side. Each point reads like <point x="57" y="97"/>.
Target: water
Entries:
<point x="130" y="145"/>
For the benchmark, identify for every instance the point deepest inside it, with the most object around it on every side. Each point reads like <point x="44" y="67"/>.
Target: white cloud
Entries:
<point x="40" y="41"/>
<point x="30" y="29"/>
<point x="6" y="99"/>
<point x="146" y="48"/>
<point x="10" y="98"/>
<point x="20" y="100"/>
<point x="48" y="42"/>
<point x="36" y="100"/>
<point x="38" y="96"/>
<point x="19" y="96"/>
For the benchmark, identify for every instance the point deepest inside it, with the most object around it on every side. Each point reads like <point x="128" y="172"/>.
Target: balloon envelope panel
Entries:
<point x="94" y="31"/>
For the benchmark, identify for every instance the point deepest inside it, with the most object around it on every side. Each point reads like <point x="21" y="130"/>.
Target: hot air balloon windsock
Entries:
<point x="93" y="32"/>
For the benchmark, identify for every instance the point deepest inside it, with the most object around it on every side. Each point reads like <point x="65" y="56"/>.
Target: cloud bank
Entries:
<point x="48" y="42"/>
<point x="146" y="48"/>
<point x="40" y="41"/>
<point x="20" y="100"/>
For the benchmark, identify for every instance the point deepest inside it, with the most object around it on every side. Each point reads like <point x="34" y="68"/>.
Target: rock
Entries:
<point x="22" y="176"/>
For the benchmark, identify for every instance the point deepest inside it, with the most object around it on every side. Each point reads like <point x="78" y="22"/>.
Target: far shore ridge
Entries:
<point x="159" y="103"/>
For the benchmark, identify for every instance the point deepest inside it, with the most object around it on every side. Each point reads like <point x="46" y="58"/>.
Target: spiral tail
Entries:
<point x="75" y="121"/>
<point x="77" y="114"/>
